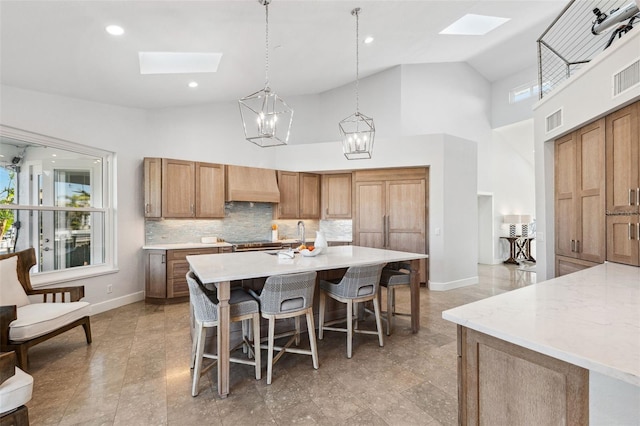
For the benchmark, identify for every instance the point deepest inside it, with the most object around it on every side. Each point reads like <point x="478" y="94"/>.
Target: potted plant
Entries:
<point x="7" y="196"/>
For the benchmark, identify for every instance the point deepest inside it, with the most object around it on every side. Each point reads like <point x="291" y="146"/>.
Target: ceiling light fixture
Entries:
<point x="193" y="84"/>
<point x="368" y="39"/>
<point x="266" y="118"/>
<point x="357" y="130"/>
<point x="115" y="30"/>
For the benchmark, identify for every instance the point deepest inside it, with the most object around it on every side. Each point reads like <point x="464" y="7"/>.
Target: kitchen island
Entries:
<point x="548" y="353"/>
<point x="221" y="269"/>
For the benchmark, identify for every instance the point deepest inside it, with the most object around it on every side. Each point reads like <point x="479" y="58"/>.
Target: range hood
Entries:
<point x="251" y="184"/>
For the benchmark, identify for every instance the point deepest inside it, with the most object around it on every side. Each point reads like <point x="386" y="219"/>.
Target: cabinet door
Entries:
<point x="623" y="156"/>
<point x="177" y="268"/>
<point x="152" y="187"/>
<point x="369" y="229"/>
<point x="569" y="265"/>
<point x="288" y="184"/>
<point x="623" y="239"/>
<point x="155" y="285"/>
<point x="406" y="217"/>
<point x="336" y="196"/>
<point x="565" y="175"/>
<point x="590" y="193"/>
<point x="309" y="207"/>
<point x="178" y="193"/>
<point x="209" y="190"/>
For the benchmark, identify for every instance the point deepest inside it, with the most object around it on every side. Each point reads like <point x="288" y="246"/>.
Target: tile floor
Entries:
<point x="136" y="372"/>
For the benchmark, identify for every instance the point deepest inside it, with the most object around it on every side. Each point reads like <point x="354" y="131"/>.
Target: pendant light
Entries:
<point x="357" y="130"/>
<point x="266" y="118"/>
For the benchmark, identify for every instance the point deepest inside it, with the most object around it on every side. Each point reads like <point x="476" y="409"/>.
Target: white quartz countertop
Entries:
<point x="181" y="246"/>
<point x="590" y="318"/>
<point x="212" y="268"/>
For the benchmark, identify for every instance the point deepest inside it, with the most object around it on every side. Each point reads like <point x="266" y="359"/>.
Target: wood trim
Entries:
<point x="390" y="174"/>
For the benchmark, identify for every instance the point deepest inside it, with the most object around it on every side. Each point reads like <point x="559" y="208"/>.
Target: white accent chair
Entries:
<point x="24" y="323"/>
<point x="16" y="388"/>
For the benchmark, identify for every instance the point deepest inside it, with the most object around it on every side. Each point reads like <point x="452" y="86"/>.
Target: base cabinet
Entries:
<point x="500" y="383"/>
<point x="165" y="273"/>
<point x="567" y="265"/>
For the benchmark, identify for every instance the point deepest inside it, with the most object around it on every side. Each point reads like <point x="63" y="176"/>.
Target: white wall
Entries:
<point x="583" y="98"/>
<point x="504" y="113"/>
<point x="513" y="178"/>
<point x="111" y="128"/>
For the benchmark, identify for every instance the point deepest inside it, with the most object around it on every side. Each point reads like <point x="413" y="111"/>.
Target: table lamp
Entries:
<point x="512" y="220"/>
<point x="525" y="220"/>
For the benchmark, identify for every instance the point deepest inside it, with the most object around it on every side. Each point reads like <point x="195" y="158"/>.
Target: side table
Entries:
<point x="519" y="249"/>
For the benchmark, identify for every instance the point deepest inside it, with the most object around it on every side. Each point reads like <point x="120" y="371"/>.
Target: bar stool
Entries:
<point x="205" y="311"/>
<point x="394" y="276"/>
<point x="359" y="284"/>
<point x="287" y="296"/>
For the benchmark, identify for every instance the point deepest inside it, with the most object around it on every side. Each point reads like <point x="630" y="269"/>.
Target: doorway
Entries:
<point x="485" y="228"/>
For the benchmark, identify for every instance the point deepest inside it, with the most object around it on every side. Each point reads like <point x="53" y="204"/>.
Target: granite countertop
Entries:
<point x="590" y="318"/>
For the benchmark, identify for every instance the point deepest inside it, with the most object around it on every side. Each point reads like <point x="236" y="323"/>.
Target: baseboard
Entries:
<point x="452" y="284"/>
<point x="98" y="308"/>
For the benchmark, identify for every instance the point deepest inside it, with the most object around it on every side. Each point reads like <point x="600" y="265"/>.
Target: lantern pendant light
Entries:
<point x="357" y="130"/>
<point x="266" y="117"/>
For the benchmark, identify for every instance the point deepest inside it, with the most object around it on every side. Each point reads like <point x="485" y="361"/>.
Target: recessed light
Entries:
<point x="115" y="30"/>
<point x="178" y="62"/>
<point x="54" y="155"/>
<point x="471" y="24"/>
<point x="193" y="84"/>
<point x="368" y="39"/>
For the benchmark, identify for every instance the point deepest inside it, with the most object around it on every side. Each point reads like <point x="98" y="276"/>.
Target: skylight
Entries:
<point x="471" y="24"/>
<point x="178" y="62"/>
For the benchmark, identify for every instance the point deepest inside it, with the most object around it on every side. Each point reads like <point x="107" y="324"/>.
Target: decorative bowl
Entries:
<point x="308" y="253"/>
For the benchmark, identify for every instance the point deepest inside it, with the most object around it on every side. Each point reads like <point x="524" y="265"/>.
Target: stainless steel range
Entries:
<point x="256" y="246"/>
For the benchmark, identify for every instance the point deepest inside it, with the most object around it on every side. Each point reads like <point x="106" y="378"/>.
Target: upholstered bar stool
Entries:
<point x="287" y="296"/>
<point x="359" y="284"/>
<point x="394" y="276"/>
<point x="205" y="311"/>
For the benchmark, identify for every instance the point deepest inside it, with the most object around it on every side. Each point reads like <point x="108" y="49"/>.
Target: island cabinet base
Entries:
<point x="500" y="383"/>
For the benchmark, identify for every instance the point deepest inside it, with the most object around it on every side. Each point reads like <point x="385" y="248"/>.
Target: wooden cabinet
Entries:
<point x="178" y="188"/>
<point x="166" y="270"/>
<point x="623" y="239"/>
<point x="299" y="196"/>
<point x="336" y="196"/>
<point x="391" y="210"/>
<point x="500" y="383"/>
<point x="568" y="265"/>
<point x="623" y="160"/>
<point x="580" y="194"/>
<point x="623" y="185"/>
<point x="152" y="187"/>
<point x="183" y="189"/>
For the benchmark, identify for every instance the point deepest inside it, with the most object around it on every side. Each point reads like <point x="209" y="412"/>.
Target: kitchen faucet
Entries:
<point x="301" y="232"/>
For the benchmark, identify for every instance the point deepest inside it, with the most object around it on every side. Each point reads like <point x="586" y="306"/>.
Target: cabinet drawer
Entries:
<point x="182" y="254"/>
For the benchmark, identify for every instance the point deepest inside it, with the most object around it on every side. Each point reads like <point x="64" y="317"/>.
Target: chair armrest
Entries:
<point x="75" y="293"/>
<point x="7" y="366"/>
<point x="8" y="314"/>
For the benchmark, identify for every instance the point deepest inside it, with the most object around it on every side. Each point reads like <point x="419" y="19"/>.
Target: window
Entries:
<point x="527" y="91"/>
<point x="56" y="196"/>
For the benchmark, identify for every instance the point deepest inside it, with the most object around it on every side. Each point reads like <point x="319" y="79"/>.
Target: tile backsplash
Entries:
<point x="243" y="221"/>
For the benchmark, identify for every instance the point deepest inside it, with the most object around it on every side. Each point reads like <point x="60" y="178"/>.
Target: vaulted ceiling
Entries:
<point x="61" y="47"/>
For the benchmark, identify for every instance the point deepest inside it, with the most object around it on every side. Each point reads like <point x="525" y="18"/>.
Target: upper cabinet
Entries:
<point x="336" y="196"/>
<point x="299" y="196"/>
<point x="580" y="193"/>
<point x="152" y="187"/>
<point x="183" y="189"/>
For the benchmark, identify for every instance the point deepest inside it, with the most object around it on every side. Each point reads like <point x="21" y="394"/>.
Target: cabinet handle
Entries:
<point x="146" y="208"/>
<point x="629" y="236"/>
<point x="638" y="231"/>
<point x="630" y="192"/>
<point x="637" y="196"/>
<point x="164" y="258"/>
<point x="573" y="246"/>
